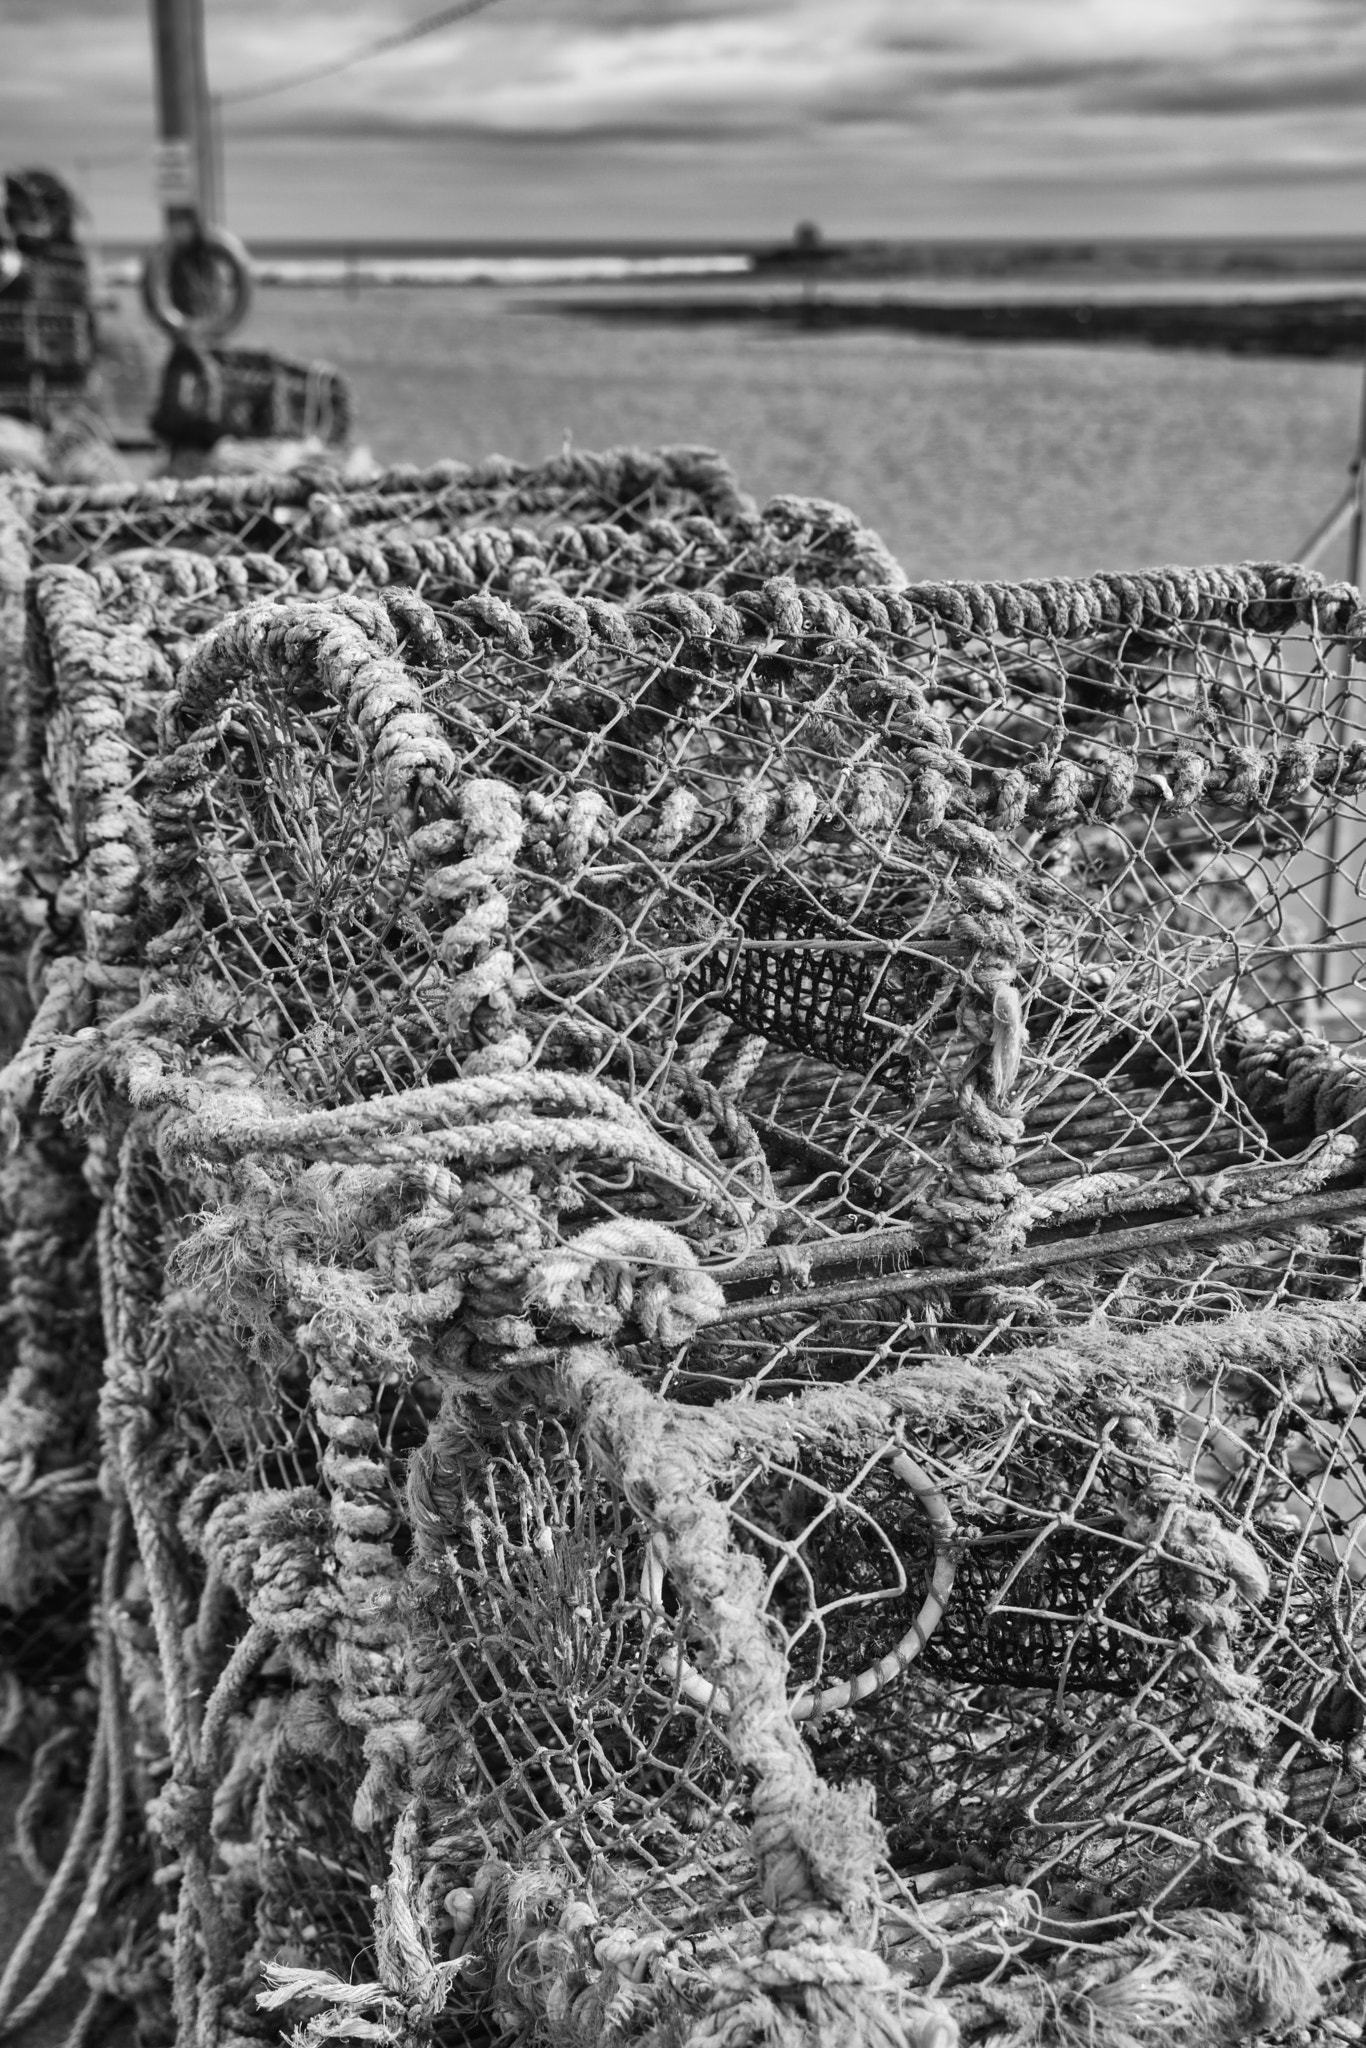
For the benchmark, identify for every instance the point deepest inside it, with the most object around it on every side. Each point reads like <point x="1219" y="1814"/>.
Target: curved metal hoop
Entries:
<point x="227" y="253"/>
<point x="805" y="1705"/>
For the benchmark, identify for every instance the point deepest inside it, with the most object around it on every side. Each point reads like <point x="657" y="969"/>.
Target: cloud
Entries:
<point x="664" y="126"/>
<point x="1305" y="89"/>
<point x="46" y="13"/>
<point x="961" y="104"/>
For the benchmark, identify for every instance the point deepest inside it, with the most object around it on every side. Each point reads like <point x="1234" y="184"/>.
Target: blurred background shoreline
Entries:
<point x="1030" y="453"/>
<point x="1218" y="268"/>
<point x="971" y="458"/>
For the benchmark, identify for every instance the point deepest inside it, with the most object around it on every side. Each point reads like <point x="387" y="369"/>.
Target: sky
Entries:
<point x="725" y="120"/>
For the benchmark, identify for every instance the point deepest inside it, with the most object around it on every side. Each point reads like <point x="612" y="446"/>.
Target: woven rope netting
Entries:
<point x="702" y="1215"/>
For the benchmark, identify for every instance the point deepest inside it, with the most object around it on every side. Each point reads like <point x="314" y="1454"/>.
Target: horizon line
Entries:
<point x="343" y="246"/>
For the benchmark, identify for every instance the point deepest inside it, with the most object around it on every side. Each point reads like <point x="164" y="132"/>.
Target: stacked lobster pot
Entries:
<point x="47" y="332"/>
<point x="163" y="560"/>
<point x="687" y="1288"/>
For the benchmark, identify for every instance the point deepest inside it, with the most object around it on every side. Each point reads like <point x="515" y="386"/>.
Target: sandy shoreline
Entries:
<point x="969" y="457"/>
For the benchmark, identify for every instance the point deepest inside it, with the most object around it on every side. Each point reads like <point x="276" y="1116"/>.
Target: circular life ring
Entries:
<point x="701" y="1693"/>
<point x="226" y="267"/>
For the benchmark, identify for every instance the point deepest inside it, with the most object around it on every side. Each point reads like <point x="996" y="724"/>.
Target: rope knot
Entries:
<point x="596" y="1284"/>
<point x="181" y="1813"/>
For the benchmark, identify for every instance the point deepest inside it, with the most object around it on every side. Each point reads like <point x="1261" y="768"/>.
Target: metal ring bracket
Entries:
<point x="228" y="256"/>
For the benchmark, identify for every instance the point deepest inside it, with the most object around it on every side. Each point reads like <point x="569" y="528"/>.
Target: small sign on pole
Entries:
<point x="175" y="174"/>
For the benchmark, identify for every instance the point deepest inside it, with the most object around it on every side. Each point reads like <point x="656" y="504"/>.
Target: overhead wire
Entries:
<point x="445" y="17"/>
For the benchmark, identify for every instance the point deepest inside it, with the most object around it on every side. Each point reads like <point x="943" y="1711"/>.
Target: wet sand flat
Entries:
<point x="971" y="458"/>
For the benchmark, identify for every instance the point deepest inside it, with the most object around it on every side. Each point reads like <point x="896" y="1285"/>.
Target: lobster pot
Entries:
<point x="46" y="353"/>
<point x="26" y="398"/>
<point x="643" y="493"/>
<point x="53" y="342"/>
<point x="623" y="523"/>
<point x="251" y="395"/>
<point x="47" y="335"/>
<point x="172" y="558"/>
<point x="319" y="526"/>
<point x="39" y="214"/>
<point x="728" y="1230"/>
<point x="54" y="276"/>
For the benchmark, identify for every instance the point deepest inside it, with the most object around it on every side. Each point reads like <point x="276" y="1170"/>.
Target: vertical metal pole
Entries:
<point x="1354" y="529"/>
<point x="178" y="48"/>
<point x="205" y="159"/>
<point x="218" y="210"/>
<point x="1333" y="898"/>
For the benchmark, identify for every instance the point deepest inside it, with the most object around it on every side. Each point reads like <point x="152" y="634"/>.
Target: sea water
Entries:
<point x="971" y="459"/>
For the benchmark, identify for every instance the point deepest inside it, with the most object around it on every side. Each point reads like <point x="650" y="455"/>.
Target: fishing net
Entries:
<point x="616" y="522"/>
<point x="263" y="513"/>
<point x="249" y="394"/>
<point x="674" y="517"/>
<point x="47" y="331"/>
<point x="172" y="557"/>
<point x="298" y="517"/>
<point x="729" y="1367"/>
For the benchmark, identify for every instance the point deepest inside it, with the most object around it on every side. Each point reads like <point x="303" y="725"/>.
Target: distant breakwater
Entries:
<point x="1318" y="327"/>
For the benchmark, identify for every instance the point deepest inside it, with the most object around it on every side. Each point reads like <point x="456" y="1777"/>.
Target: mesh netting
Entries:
<point x="725" y="1215"/>
<point x="320" y="520"/>
<point x="627" y="519"/>
<point x="169" y="559"/>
